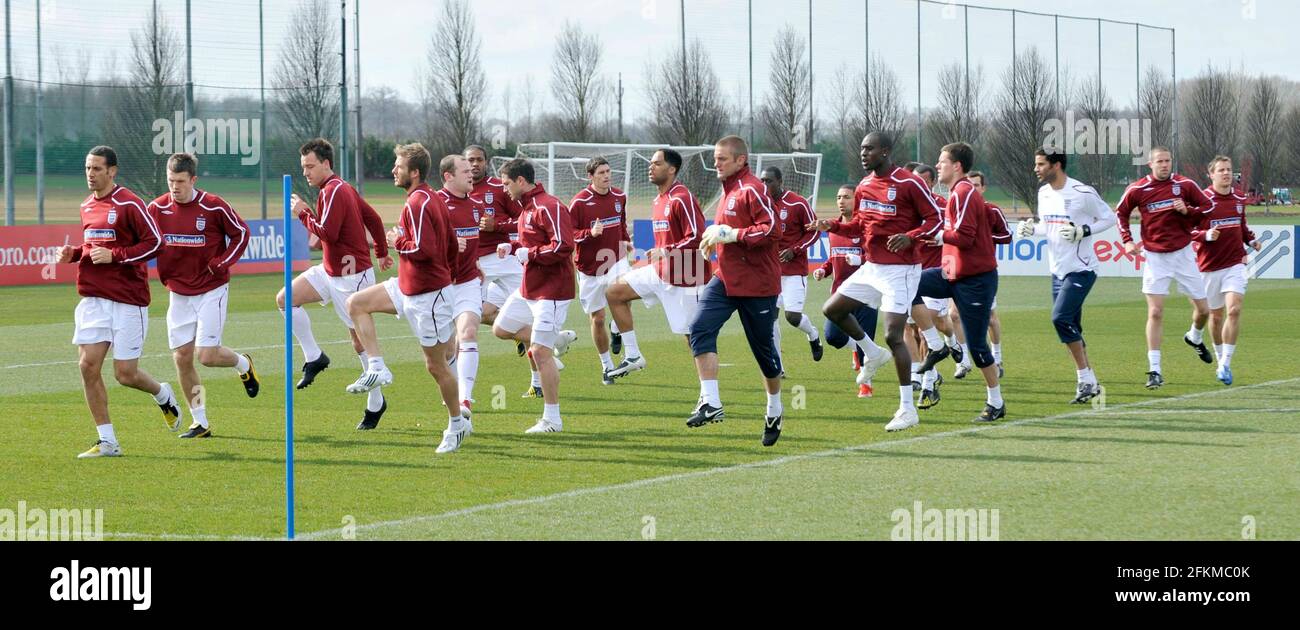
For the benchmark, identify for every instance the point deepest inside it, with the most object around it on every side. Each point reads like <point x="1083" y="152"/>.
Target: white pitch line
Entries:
<point x="1156" y="412"/>
<point x="161" y="356"/>
<point x="771" y="462"/>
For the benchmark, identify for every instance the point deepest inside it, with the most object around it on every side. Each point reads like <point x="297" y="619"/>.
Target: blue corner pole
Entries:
<point x="288" y="357"/>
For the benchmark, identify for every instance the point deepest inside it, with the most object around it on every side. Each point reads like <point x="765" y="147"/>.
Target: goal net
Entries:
<point x="562" y="168"/>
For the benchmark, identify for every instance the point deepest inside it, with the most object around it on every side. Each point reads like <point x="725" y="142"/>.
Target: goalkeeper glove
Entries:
<point x="1075" y="233"/>
<point x="1025" y="228"/>
<point x="718" y="234"/>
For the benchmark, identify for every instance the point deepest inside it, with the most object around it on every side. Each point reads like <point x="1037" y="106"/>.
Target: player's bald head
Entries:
<point x="879" y="139"/>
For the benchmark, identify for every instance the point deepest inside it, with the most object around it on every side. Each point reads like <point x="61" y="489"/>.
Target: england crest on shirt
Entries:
<point x="892" y="194"/>
<point x="784" y="214"/>
<point x="618" y="207"/>
<point x="487" y="197"/>
<point x="476" y="214"/>
<point x="1240" y="209"/>
<point x="199" y="223"/>
<point x="1177" y="190"/>
<point x="112" y="217"/>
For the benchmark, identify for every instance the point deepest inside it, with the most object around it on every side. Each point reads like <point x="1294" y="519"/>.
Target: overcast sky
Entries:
<point x="519" y="38"/>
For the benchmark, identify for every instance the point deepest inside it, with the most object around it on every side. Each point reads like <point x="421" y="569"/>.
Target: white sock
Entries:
<point x="551" y="413"/>
<point x="995" y="396"/>
<point x="606" y="361"/>
<point x="1194" y="334"/>
<point x="868" y="346"/>
<point x="241" y="364"/>
<point x="997" y="353"/>
<point x="613" y="327"/>
<point x="951" y="340"/>
<point x="806" y="326"/>
<point x="302" y="332"/>
<point x="932" y="339"/>
<point x="774" y="407"/>
<point x="200" y="415"/>
<point x="916" y="369"/>
<point x="1086" y="376"/>
<point x="630" y="349"/>
<point x="164" y="394"/>
<point x="106" y="433"/>
<point x="927" y="381"/>
<point x="1228" y="349"/>
<point x="1153" y="359"/>
<point x="710" y="391"/>
<point x="376" y="364"/>
<point x="453" y="421"/>
<point x="375" y="399"/>
<point x="537" y="379"/>
<point x="965" y="354"/>
<point x="1218" y="352"/>
<point x="467" y="369"/>
<point x="905" y="397"/>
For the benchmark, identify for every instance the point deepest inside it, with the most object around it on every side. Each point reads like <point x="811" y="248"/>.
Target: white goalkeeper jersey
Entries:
<point x="1076" y="203"/>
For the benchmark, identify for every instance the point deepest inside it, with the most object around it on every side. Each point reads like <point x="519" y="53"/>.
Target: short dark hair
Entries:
<point x="1053" y="155"/>
<point x="961" y="153"/>
<point x="775" y="172"/>
<point x="448" y="163"/>
<point x="673" y="158"/>
<point x="850" y="187"/>
<point x="595" y="163"/>
<point x="911" y="166"/>
<point x="885" y="141"/>
<point x="519" y="167"/>
<point x="106" y="152"/>
<point x="474" y="147"/>
<point x="980" y="174"/>
<point x="925" y="169"/>
<point x="183" y="163"/>
<point x="416" y="156"/>
<point x="321" y="147"/>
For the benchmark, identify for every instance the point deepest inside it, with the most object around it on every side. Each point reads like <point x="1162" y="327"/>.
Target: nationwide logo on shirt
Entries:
<point x="99" y="235"/>
<point x="871" y="205"/>
<point x="660" y="225"/>
<point x="185" y="240"/>
<point x="1056" y="219"/>
<point x="1225" y="223"/>
<point x="607" y="222"/>
<point x="1161" y="206"/>
<point x="467" y="232"/>
<point x="846" y="251"/>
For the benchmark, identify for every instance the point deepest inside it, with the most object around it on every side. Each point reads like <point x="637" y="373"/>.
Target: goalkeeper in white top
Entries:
<point x="1070" y="214"/>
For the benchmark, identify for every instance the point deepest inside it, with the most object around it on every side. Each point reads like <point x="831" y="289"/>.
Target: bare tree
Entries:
<point x="151" y="92"/>
<point x="574" y="72"/>
<point x="1263" y="142"/>
<point x="685" y="98"/>
<point x="1018" y="125"/>
<point x="869" y="101"/>
<point x="455" y="86"/>
<point x="1291" y="139"/>
<point x="529" y="98"/>
<point x="307" y="82"/>
<point x="1210" y="120"/>
<point x="507" y="101"/>
<point x="386" y="114"/>
<point x="1096" y="161"/>
<point x="959" y="116"/>
<point x="784" y="112"/>
<point x="1155" y="103"/>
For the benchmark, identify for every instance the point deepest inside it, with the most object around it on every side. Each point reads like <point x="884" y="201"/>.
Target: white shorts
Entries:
<point x="546" y="317"/>
<point x="429" y="314"/>
<point x="501" y="277"/>
<point x="887" y="288"/>
<point x="123" y="325"/>
<point x="937" y="305"/>
<point x="591" y="289"/>
<point x="1179" y="266"/>
<point x="198" y="318"/>
<point x="1230" y="280"/>
<point x="337" y="289"/>
<point x="680" y="303"/>
<point x="467" y="297"/>
<point x="794" y="292"/>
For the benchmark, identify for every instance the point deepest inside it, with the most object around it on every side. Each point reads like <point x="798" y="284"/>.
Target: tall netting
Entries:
<point x="561" y="166"/>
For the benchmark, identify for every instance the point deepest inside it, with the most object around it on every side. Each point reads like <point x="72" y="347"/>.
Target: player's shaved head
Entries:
<point x="879" y="139"/>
